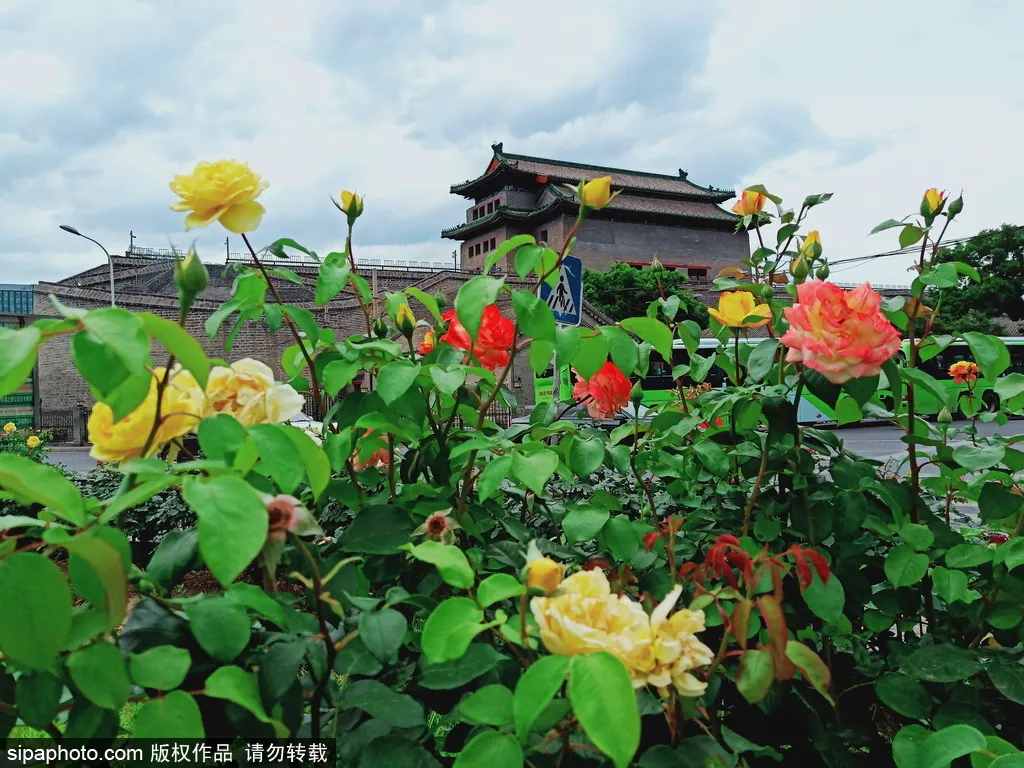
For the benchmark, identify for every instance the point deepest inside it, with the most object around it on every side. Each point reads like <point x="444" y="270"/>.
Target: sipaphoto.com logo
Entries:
<point x="74" y="755"/>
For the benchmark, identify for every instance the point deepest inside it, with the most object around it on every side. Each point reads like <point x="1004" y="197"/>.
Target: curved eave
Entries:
<point x="565" y="203"/>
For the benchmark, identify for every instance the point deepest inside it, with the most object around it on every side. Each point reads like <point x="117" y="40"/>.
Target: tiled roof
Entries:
<point x="632" y="202"/>
<point x="562" y="171"/>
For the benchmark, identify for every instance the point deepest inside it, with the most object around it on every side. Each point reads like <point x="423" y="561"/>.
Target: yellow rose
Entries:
<point x="597" y="193"/>
<point x="811" y="247"/>
<point x="248" y="392"/>
<point x="125" y="439"/>
<point x="223" y="191"/>
<point x="9" y="427"/>
<point x="735" y="306"/>
<point x="351" y="205"/>
<point x="585" y="617"/>
<point x="673" y="650"/>
<point x="750" y="202"/>
<point x="932" y="202"/>
<point x="32" y="441"/>
<point x="544" y="574"/>
<point x="405" y="319"/>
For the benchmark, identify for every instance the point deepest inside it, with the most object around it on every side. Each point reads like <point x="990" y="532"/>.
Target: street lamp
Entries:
<point x="110" y="261"/>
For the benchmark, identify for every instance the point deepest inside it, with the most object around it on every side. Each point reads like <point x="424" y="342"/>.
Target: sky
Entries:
<point x="102" y="103"/>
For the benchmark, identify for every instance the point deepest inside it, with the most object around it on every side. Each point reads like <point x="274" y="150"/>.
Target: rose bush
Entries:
<point x="715" y="585"/>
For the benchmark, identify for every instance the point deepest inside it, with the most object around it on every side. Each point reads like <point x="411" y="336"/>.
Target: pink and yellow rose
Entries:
<point x="840" y="334"/>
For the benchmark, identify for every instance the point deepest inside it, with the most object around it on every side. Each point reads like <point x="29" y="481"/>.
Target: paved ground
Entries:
<point x="77" y="459"/>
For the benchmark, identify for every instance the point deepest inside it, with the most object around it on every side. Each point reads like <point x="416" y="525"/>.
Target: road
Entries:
<point x="77" y="459"/>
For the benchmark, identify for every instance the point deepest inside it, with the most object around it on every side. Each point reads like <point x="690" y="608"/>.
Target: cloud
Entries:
<point x="105" y="103"/>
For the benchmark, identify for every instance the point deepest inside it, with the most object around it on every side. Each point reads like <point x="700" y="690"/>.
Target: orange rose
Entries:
<point x="608" y="390"/>
<point x="841" y="334"/>
<point x="963" y="372"/>
<point x="493" y="340"/>
<point x="379" y="458"/>
<point x="427" y="345"/>
<point x="750" y="202"/>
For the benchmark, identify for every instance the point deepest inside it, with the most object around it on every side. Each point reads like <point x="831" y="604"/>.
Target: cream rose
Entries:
<point x="248" y="392"/>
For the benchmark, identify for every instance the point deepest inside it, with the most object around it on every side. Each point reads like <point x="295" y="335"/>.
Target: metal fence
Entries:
<point x="66" y="424"/>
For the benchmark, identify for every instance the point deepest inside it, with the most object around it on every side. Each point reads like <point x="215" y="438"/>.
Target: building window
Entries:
<point x="492" y="243"/>
<point x="544" y="235"/>
<point x="490" y="207"/>
<point x="476" y="214"/>
<point x="487" y="246"/>
<point x="476" y="251"/>
<point x="482" y="209"/>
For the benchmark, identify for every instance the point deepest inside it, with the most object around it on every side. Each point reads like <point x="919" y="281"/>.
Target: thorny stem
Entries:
<point x="325" y="630"/>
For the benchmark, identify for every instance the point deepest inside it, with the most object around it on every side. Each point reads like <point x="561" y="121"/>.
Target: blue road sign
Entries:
<point x="566" y="298"/>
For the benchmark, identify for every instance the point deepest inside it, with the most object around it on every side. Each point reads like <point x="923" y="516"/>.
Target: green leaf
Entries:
<point x="603" y="701"/>
<point x="478" y="659"/>
<point x="909" y="235"/>
<point x="31" y="482"/>
<point x="222" y="313"/>
<point x="220" y="626"/>
<point x="585" y="456"/>
<point x="887" y="224"/>
<point x="506" y="247"/>
<point x="163" y="667"/>
<point x="426" y="300"/>
<point x="377" y="700"/>
<point x="490" y="705"/>
<point x="654" y="332"/>
<point x="621" y="347"/>
<point x="175" y="716"/>
<point x="713" y="457"/>
<point x="378" y="530"/>
<point x="221" y="436"/>
<point x="942" y="748"/>
<point x="105" y="563"/>
<point x="762" y="359"/>
<point x="916" y="535"/>
<point x="534" y="316"/>
<point x="121" y="332"/>
<point x="567" y="343"/>
<point x="278" y="456"/>
<point x="382" y="632"/>
<point x="1010" y="386"/>
<point x="950" y="585"/>
<point x="498" y="587"/>
<point x="179" y="343"/>
<point x="592" y="355"/>
<point x="17" y="357"/>
<point x="491" y="749"/>
<point x="338" y="374"/>
<point x="497" y="469"/>
<point x="968" y="556"/>
<point x="701" y="366"/>
<point x="172" y="558"/>
<point x="232" y="525"/>
<point x="995" y="749"/>
<point x="535" y="690"/>
<point x="450" y="561"/>
<point x="448" y="382"/>
<point x="583" y="522"/>
<point x="943" y="663"/>
<point x="450" y="629"/>
<point x="331" y="278"/>
<point x="810" y="665"/>
<point x="277" y="248"/>
<point x="821" y="388"/>
<point x="35" y="609"/>
<point x="37" y="697"/>
<point x="990" y="353"/>
<point x="862" y="390"/>
<point x="905" y="567"/>
<point x="541" y="354"/>
<point x="395" y="378"/>
<point x="1008" y="678"/>
<point x="904" y="696"/>
<point x="535" y="469"/>
<point x="621" y="538"/>
<point x="755" y="675"/>
<point x="474" y="295"/>
<point x="314" y="460"/>
<point x="98" y="671"/>
<point x="978" y="457"/>
<point x="826" y="601"/>
<point x="236" y="685"/>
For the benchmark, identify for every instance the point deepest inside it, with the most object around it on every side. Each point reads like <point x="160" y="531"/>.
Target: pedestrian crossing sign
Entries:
<point x="566" y="297"/>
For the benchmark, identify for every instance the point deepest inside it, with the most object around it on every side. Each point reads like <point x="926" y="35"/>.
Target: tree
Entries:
<point x="998" y="255"/>
<point x="626" y="291"/>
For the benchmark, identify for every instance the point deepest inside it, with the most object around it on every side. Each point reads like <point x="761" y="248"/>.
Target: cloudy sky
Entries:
<point x="101" y="103"/>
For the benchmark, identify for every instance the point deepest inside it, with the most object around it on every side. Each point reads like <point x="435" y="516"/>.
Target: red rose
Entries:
<point x="998" y="538"/>
<point x="495" y="337"/>
<point x="608" y="390"/>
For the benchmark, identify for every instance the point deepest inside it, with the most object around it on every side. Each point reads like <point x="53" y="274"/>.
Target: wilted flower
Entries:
<point x="735" y="307"/>
<point x="32" y="441"/>
<point x="247" y="390"/>
<point x="223" y="191"/>
<point x="608" y="390"/>
<point x="493" y="340"/>
<point x="841" y="334"/>
<point x="286" y="515"/>
<point x="439" y="526"/>
<point x="750" y="202"/>
<point x="964" y="371"/>
<point x="597" y="193"/>
<point x="544" y="574"/>
<point x="180" y="412"/>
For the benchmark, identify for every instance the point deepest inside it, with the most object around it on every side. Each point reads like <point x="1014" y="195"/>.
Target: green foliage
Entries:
<point x="625" y="291"/>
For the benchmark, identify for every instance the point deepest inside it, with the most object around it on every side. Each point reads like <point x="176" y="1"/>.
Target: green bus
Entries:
<point x="660" y="386"/>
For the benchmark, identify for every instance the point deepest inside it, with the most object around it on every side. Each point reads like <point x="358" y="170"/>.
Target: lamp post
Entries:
<point x="110" y="261"/>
